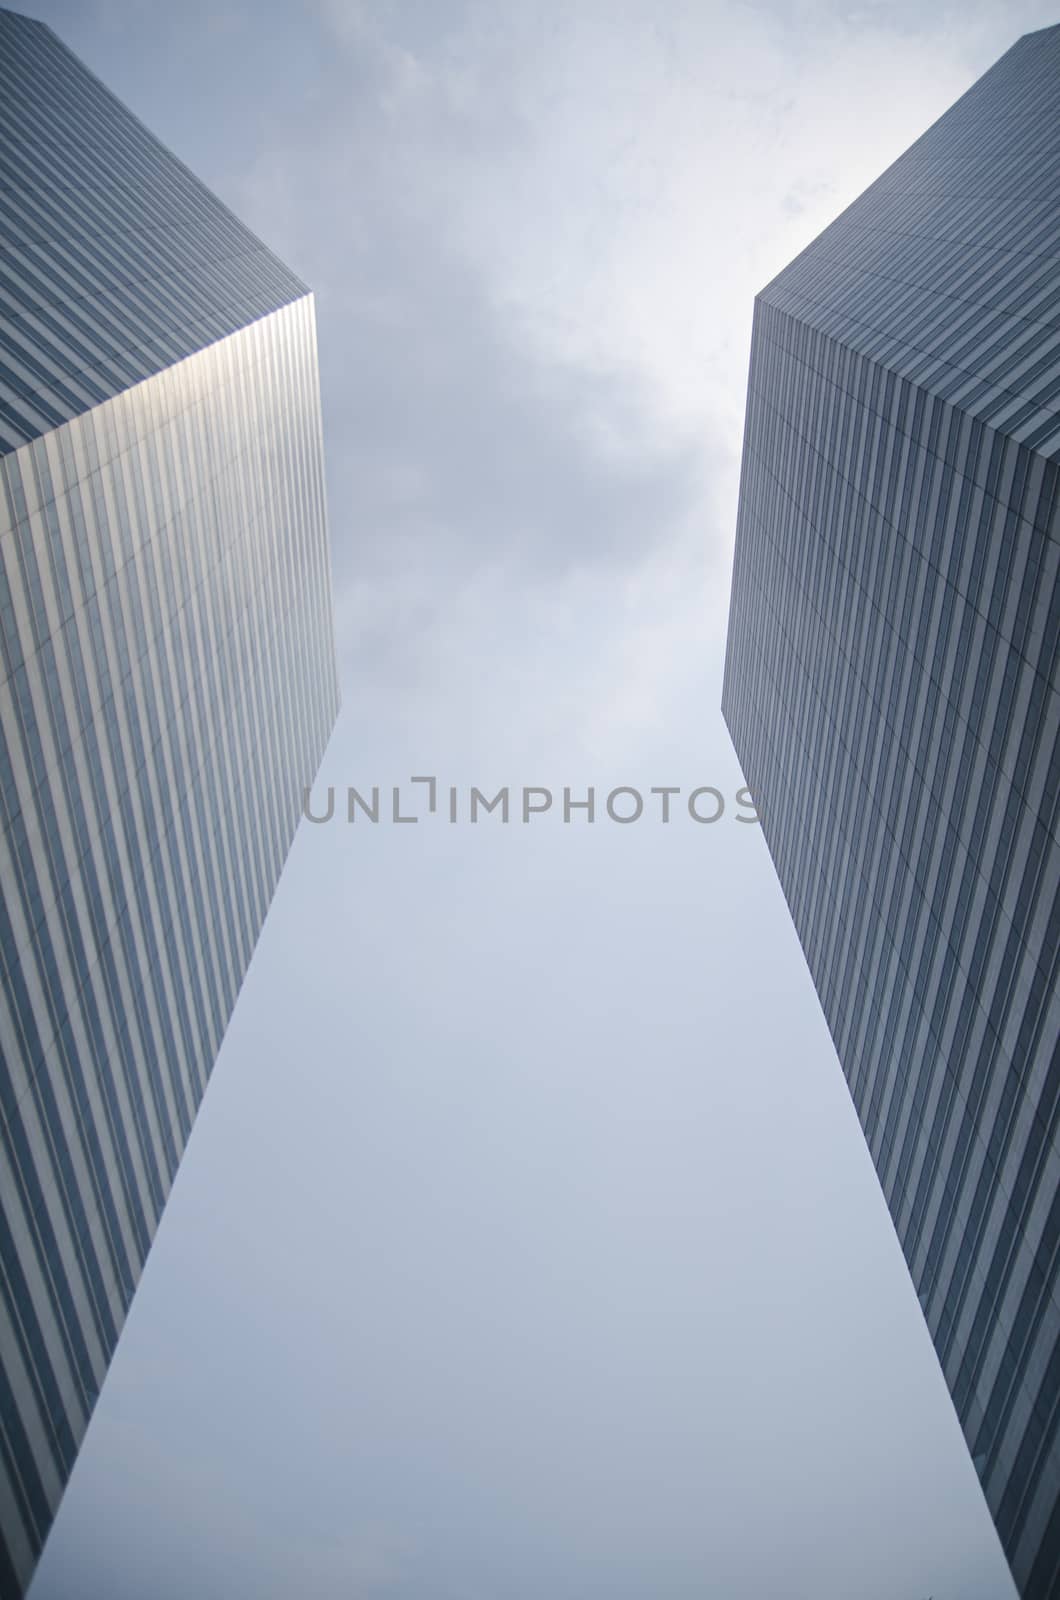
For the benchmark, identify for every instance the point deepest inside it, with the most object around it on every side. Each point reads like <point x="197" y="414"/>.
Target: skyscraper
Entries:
<point x="168" y="688"/>
<point x="891" y="690"/>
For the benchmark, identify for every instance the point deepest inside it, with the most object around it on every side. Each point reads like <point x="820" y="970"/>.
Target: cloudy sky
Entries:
<point x="526" y="1244"/>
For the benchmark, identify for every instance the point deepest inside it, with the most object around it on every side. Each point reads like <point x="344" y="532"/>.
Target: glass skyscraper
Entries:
<point x="169" y="685"/>
<point x="891" y="689"/>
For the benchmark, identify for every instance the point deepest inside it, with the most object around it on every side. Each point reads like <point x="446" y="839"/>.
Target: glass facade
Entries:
<point x="891" y="689"/>
<point x="116" y="262"/>
<point x="168" y="686"/>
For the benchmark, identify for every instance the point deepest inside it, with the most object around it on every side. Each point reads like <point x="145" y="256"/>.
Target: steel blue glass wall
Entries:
<point x="168" y="686"/>
<point x="891" y="689"/>
<point x="116" y="260"/>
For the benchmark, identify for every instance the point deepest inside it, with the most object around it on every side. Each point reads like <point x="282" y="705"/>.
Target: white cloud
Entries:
<point x="655" y="165"/>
